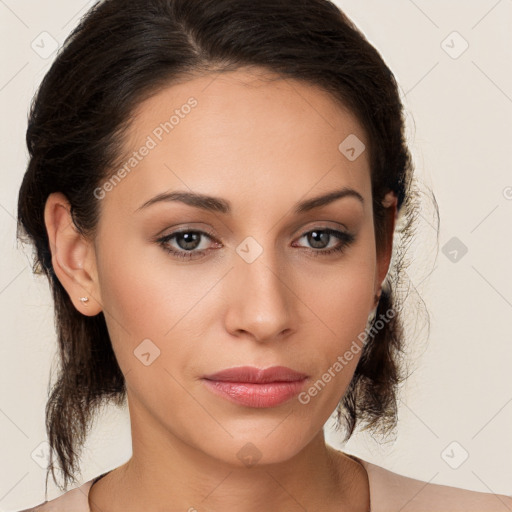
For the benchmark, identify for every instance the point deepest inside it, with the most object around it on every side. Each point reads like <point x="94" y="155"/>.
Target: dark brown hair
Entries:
<point x="120" y="54"/>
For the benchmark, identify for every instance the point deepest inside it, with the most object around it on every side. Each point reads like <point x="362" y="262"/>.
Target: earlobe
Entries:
<point x="73" y="257"/>
<point x="390" y="199"/>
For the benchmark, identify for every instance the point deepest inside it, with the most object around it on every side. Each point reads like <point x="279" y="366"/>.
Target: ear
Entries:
<point x="385" y="252"/>
<point x="73" y="256"/>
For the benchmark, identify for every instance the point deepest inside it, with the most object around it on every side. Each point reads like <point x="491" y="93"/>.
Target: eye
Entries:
<point x="193" y="244"/>
<point x="187" y="242"/>
<point x="320" y="238"/>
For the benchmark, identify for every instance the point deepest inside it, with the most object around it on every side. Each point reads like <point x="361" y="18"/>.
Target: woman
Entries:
<point x="213" y="190"/>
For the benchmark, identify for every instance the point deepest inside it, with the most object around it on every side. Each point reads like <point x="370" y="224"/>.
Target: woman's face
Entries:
<point x="253" y="279"/>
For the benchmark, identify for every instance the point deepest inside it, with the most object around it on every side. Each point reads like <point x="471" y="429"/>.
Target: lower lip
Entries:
<point x="269" y="394"/>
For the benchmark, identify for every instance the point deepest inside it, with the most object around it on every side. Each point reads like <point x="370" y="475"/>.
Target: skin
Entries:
<point x="263" y="145"/>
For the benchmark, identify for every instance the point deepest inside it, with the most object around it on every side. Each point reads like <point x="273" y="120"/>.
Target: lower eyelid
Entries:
<point x="344" y="239"/>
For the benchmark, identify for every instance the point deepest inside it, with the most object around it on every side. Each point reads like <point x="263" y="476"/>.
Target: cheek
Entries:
<point x="339" y="341"/>
<point x="146" y="297"/>
<point x="340" y="299"/>
<point x="342" y="309"/>
<point x="341" y="296"/>
<point x="137" y="287"/>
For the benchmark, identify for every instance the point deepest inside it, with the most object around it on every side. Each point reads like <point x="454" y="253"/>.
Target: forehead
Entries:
<point x="247" y="133"/>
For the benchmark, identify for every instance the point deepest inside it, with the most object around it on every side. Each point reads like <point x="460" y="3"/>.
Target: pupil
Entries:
<point x="189" y="239"/>
<point x="319" y="239"/>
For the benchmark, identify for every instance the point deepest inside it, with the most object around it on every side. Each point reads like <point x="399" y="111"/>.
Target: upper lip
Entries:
<point x="255" y="375"/>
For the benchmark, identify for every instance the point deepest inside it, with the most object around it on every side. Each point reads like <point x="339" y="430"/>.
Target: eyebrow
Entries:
<point x="219" y="205"/>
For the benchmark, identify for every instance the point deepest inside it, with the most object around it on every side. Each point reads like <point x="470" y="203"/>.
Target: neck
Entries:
<point x="165" y="471"/>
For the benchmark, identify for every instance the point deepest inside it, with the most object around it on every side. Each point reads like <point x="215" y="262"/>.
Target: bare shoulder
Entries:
<point x="37" y="508"/>
<point x="392" y="492"/>
<point x="75" y="500"/>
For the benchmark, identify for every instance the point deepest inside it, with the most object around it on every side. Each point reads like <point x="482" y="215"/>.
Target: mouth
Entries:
<point x="254" y="387"/>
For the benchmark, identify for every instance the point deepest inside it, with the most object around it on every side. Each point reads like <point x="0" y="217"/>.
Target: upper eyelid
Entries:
<point x="212" y="237"/>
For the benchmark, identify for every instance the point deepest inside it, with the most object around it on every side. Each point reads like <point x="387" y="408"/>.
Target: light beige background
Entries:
<point x="459" y="126"/>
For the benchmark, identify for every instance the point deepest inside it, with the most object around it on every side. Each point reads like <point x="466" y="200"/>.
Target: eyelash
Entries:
<point x="345" y="240"/>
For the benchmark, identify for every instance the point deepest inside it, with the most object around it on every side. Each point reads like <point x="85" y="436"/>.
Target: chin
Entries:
<point x="264" y="447"/>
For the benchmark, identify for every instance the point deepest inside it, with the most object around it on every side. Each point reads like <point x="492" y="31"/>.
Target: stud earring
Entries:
<point x="84" y="300"/>
<point x="388" y="200"/>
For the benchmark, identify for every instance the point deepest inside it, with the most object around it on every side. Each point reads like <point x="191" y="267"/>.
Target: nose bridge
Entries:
<point x="259" y="297"/>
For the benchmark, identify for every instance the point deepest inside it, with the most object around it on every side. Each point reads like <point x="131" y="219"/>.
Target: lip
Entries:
<point x="256" y="387"/>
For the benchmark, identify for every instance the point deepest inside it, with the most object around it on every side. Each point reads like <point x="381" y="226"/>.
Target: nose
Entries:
<point x="259" y="300"/>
